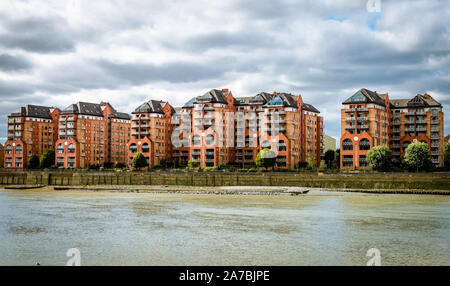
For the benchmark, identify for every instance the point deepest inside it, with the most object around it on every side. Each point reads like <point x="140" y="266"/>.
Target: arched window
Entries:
<point x="347" y="145"/>
<point x="133" y="148"/>
<point x="8" y="149"/>
<point x="60" y="149"/>
<point x="71" y="148"/>
<point x="145" y="148"/>
<point x="265" y="144"/>
<point x="281" y="145"/>
<point x="364" y="144"/>
<point x="19" y="149"/>
<point x="209" y="140"/>
<point x="196" y="140"/>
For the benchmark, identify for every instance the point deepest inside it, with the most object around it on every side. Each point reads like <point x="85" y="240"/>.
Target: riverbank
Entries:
<point x="224" y="190"/>
<point x="419" y="181"/>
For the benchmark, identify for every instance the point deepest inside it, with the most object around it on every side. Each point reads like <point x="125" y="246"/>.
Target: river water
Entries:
<point x="321" y="228"/>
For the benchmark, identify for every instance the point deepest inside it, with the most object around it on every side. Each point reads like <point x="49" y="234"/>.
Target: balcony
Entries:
<point x="435" y="161"/>
<point x="363" y="119"/>
<point x="363" y="127"/>
<point x="396" y="138"/>
<point x="351" y="119"/>
<point x="435" y="153"/>
<point x="350" y="110"/>
<point x="209" y="160"/>
<point x="395" y="153"/>
<point x="420" y="113"/>
<point x="434" y="129"/>
<point x="421" y="129"/>
<point x="410" y="122"/>
<point x="396" y="123"/>
<point x="362" y="109"/>
<point x="350" y="127"/>
<point x="435" y="122"/>
<point x="396" y="130"/>
<point x="410" y="113"/>
<point x="435" y="145"/>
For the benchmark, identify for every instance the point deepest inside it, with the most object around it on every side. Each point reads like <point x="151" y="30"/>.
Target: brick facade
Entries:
<point x="370" y="119"/>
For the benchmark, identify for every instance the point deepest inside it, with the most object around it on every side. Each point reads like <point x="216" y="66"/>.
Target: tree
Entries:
<point x="48" y="158"/>
<point x="417" y="157"/>
<point x="380" y="158"/>
<point x="33" y="162"/>
<point x="266" y="158"/>
<point x="139" y="161"/>
<point x="337" y="159"/>
<point x="447" y="155"/>
<point x="312" y="163"/>
<point x="329" y="158"/>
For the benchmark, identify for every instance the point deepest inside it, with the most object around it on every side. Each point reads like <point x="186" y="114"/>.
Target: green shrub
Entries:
<point x="266" y="158"/>
<point x="139" y="161"/>
<point x="193" y="164"/>
<point x="33" y="162"/>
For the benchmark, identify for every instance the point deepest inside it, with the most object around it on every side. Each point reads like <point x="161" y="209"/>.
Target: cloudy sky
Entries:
<point x="56" y="52"/>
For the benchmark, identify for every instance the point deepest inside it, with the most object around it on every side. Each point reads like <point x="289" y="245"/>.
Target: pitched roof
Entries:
<point x="261" y="98"/>
<point x="283" y="99"/>
<point x="309" y="107"/>
<point x="212" y="96"/>
<point x="33" y="111"/>
<point x="151" y="106"/>
<point x="366" y="96"/>
<point x="94" y="109"/>
<point x="190" y="103"/>
<point x="418" y="101"/>
<point x="86" y="108"/>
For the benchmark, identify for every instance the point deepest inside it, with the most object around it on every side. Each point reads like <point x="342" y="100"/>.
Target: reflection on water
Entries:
<point x="165" y="229"/>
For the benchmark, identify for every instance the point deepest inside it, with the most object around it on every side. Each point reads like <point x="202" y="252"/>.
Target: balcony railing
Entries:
<point x="434" y="122"/>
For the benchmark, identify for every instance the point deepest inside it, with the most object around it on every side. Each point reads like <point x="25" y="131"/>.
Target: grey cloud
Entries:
<point x="12" y="63"/>
<point x="172" y="72"/>
<point x="36" y="34"/>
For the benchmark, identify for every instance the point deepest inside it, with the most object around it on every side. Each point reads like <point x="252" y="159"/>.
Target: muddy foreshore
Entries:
<point x="223" y="190"/>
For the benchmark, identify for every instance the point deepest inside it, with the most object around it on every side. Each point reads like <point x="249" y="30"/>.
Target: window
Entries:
<point x="265" y="144"/>
<point x="281" y="145"/>
<point x="145" y="148"/>
<point x="8" y="149"/>
<point x="71" y="148"/>
<point x="347" y="145"/>
<point x="60" y="149"/>
<point x="19" y="149"/>
<point x="364" y="144"/>
<point x="196" y="140"/>
<point x="133" y="148"/>
<point x="209" y="140"/>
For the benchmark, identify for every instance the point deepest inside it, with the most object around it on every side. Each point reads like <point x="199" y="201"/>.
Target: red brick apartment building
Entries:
<point x="151" y="130"/>
<point x="216" y="129"/>
<point x="371" y="119"/>
<point x="92" y="134"/>
<point x="31" y="130"/>
<point x="213" y="129"/>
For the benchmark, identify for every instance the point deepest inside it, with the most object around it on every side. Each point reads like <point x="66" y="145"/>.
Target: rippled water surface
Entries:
<point x="164" y="229"/>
